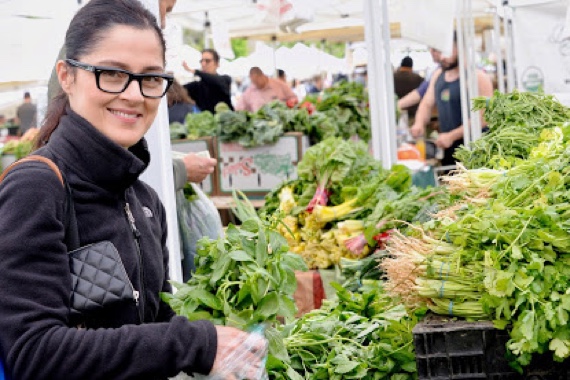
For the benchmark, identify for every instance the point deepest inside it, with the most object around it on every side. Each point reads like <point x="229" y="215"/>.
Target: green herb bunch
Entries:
<point x="357" y="336"/>
<point x="243" y="279"/>
<point x="515" y="121"/>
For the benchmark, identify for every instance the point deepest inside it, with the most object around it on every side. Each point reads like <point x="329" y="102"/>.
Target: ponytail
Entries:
<point x="54" y="113"/>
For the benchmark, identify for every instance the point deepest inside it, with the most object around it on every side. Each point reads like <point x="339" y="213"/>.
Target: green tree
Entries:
<point x="239" y="46"/>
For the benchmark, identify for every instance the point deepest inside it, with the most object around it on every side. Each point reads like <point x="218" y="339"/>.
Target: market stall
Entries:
<point x="339" y="256"/>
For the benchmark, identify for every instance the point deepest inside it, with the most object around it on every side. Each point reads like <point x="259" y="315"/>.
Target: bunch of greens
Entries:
<point x="515" y="121"/>
<point x="397" y="209"/>
<point x="358" y="336"/>
<point x="326" y="163"/>
<point x="358" y="272"/>
<point x="200" y="124"/>
<point x="361" y="197"/>
<point x="347" y="103"/>
<point x="243" y="279"/>
<point x="294" y="119"/>
<point x="231" y="125"/>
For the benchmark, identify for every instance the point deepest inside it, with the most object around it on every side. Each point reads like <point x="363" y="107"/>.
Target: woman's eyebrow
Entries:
<point x="121" y="65"/>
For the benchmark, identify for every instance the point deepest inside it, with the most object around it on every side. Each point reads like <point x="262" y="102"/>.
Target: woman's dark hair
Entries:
<point x="177" y="94"/>
<point x="87" y="28"/>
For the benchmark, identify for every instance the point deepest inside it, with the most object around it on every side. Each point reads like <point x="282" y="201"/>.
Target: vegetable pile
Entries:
<point x="247" y="278"/>
<point x="502" y="250"/>
<point x="344" y="203"/>
<point x="341" y="112"/>
<point x="362" y="335"/>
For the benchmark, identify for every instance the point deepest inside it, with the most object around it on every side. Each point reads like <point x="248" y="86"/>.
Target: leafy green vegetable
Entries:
<point x="244" y="279"/>
<point x="326" y="163"/>
<point x="358" y="336"/>
<point x="200" y="124"/>
<point x="515" y="121"/>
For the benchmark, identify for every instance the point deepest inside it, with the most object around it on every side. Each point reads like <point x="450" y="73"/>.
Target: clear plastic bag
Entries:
<point x="197" y="219"/>
<point x="246" y="362"/>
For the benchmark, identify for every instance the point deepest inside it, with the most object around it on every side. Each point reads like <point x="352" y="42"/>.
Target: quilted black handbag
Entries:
<point x="98" y="275"/>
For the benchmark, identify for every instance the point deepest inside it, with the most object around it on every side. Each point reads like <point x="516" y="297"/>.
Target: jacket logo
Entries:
<point x="147" y="212"/>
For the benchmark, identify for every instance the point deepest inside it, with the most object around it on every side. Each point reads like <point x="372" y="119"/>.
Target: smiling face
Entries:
<point x="124" y="118"/>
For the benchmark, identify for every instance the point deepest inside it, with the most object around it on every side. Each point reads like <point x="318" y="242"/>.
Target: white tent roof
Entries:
<point x="249" y="18"/>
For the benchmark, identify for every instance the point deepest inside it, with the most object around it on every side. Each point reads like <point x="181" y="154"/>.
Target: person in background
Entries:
<point x="316" y="85"/>
<point x="113" y="80"/>
<point x="406" y="80"/>
<point x="282" y="76"/>
<point x="299" y="89"/>
<point x="27" y="114"/>
<point x="179" y="103"/>
<point x="264" y="90"/>
<point x="360" y="75"/>
<point x="212" y="88"/>
<point x="444" y="92"/>
<point x="414" y="97"/>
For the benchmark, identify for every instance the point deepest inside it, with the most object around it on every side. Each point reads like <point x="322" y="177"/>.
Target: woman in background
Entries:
<point x="179" y="103"/>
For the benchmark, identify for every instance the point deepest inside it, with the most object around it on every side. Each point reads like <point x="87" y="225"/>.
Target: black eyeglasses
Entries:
<point x="206" y="60"/>
<point x="115" y="81"/>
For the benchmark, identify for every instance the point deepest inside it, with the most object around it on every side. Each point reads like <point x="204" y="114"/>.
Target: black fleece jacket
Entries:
<point x="210" y="90"/>
<point x="37" y="340"/>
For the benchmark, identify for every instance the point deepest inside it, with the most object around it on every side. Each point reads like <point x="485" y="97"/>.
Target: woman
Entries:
<point x="113" y="79"/>
<point x="179" y="103"/>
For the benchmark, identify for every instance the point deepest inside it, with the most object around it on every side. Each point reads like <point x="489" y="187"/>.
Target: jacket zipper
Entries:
<point x="136" y="235"/>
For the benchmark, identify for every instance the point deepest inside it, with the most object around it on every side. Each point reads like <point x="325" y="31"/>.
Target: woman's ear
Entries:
<point x="64" y="76"/>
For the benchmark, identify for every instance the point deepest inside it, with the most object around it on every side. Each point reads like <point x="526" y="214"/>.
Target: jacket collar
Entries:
<point x="94" y="157"/>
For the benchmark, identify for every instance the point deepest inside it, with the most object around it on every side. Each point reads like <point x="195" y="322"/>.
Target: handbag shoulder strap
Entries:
<point x="71" y="229"/>
<point x="35" y="157"/>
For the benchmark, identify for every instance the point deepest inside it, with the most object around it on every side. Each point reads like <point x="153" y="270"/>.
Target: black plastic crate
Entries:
<point x="473" y="350"/>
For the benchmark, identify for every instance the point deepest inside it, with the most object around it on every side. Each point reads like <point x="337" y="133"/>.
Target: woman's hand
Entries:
<point x="198" y="168"/>
<point x="240" y="355"/>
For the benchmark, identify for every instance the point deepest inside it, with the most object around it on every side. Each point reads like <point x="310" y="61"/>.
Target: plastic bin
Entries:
<point x="474" y="350"/>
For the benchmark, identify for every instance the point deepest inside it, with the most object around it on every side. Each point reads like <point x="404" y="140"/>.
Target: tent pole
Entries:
<point x="463" y="78"/>
<point x="472" y="71"/>
<point x="508" y="25"/>
<point x="499" y="52"/>
<point x="380" y="81"/>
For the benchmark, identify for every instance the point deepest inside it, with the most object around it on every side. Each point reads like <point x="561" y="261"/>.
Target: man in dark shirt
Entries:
<point x="212" y="88"/>
<point x="405" y="81"/>
<point x="27" y="114"/>
<point x="444" y="92"/>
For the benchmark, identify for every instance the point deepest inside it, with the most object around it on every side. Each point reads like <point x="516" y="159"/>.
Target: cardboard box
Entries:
<point x="208" y="185"/>
<point x="257" y="171"/>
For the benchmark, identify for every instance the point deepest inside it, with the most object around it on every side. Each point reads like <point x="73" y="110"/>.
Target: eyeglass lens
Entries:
<point x="116" y="81"/>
